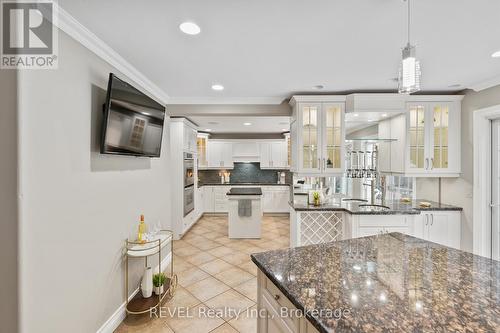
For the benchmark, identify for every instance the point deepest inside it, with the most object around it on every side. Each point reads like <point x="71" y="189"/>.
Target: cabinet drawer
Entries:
<point x="278" y="300"/>
<point x="384" y="221"/>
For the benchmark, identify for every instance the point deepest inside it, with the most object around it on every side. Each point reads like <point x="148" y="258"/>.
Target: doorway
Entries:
<point x="495" y="189"/>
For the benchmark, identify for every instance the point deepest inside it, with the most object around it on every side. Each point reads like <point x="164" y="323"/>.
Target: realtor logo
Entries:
<point x="29" y="35"/>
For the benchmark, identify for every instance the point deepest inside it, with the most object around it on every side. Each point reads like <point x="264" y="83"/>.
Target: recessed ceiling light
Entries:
<point x="218" y="87"/>
<point x="318" y="87"/>
<point x="284" y="129"/>
<point x="371" y="120"/>
<point x="247" y="124"/>
<point x="190" y="28"/>
<point x="496" y="54"/>
<point x="356" y="115"/>
<point x="208" y="129"/>
<point x="384" y="115"/>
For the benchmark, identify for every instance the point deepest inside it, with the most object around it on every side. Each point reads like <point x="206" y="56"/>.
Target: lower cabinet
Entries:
<point x="277" y="314"/>
<point x="274" y="199"/>
<point x="442" y="227"/>
<point x="369" y="225"/>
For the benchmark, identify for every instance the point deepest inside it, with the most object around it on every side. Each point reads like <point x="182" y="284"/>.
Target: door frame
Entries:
<point x="481" y="243"/>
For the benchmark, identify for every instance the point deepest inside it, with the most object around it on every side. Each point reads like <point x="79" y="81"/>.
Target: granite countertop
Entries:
<point x="245" y="191"/>
<point x="395" y="207"/>
<point x="241" y="184"/>
<point x="388" y="283"/>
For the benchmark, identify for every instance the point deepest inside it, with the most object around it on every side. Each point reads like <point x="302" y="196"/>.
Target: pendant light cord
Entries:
<point x="409" y="8"/>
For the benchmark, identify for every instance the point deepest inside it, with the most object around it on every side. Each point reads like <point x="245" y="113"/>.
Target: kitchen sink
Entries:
<point x="373" y="208"/>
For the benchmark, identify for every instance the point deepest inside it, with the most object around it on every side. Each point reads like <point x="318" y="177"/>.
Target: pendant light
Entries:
<point x="409" y="72"/>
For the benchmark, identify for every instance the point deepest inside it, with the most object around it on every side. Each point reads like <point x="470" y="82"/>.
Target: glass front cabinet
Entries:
<point x="433" y="138"/>
<point x="317" y="134"/>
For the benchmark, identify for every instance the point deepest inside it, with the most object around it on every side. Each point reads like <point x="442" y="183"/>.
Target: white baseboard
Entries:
<point x="119" y="315"/>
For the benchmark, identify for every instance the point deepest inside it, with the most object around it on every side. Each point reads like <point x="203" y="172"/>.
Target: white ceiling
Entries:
<point x="235" y="124"/>
<point x="263" y="51"/>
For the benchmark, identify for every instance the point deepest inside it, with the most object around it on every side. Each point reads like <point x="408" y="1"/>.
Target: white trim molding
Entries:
<point x="482" y="179"/>
<point x="119" y="315"/>
<point x="88" y="39"/>
<point x="227" y="100"/>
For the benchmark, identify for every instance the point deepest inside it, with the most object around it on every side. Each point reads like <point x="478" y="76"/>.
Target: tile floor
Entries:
<point x="214" y="272"/>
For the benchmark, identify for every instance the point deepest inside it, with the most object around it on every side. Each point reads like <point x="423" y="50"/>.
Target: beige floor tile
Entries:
<point x="248" y="288"/>
<point x="207" y="288"/>
<point x="249" y="267"/>
<point x="179" y="244"/>
<point x="181" y="299"/>
<point x="200" y="258"/>
<point x="181" y="265"/>
<point x="234" y="276"/>
<point x="236" y="257"/>
<point x="186" y="251"/>
<point x="247" y="322"/>
<point x="221" y="251"/>
<point x="212" y="235"/>
<point x="143" y="323"/>
<point x="253" y="249"/>
<point x="215" y="266"/>
<point x="225" y="328"/>
<point x="191" y="276"/>
<point x="222" y="240"/>
<point x="197" y="321"/>
<point x="206" y="244"/>
<point x="230" y="303"/>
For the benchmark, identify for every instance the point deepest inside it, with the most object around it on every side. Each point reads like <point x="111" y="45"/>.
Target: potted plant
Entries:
<point x="158" y="282"/>
<point x="316" y="198"/>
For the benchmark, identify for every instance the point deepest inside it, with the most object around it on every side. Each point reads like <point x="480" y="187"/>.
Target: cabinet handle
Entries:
<point x="432" y="163"/>
<point x="432" y="219"/>
<point x="426" y="219"/>
<point x="276" y="297"/>
<point x="426" y="164"/>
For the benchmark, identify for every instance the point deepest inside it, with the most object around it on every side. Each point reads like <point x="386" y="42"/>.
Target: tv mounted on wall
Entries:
<point x="133" y="122"/>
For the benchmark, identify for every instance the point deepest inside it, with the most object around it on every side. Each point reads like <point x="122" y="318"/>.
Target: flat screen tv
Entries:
<point x="133" y="122"/>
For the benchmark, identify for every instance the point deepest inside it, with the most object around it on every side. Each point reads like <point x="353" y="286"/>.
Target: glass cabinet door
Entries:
<point x="201" y="143"/>
<point x="332" y="137"/>
<point x="439" y="157"/>
<point x="310" y="136"/>
<point x="416" y="133"/>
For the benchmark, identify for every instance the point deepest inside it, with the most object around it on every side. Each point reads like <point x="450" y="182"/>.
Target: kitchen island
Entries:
<point x="384" y="283"/>
<point x="245" y="212"/>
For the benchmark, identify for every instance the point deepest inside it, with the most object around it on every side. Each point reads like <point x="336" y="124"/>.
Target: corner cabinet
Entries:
<point x="433" y="137"/>
<point x="317" y="135"/>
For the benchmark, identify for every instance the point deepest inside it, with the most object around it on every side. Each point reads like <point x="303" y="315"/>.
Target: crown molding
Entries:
<point x="88" y="39"/>
<point x="226" y="100"/>
<point x="485" y="84"/>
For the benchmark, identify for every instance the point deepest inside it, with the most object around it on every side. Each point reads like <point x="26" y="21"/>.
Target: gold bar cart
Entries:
<point x="135" y="249"/>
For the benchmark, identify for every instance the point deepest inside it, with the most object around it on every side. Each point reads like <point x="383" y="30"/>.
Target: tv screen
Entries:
<point x="133" y="122"/>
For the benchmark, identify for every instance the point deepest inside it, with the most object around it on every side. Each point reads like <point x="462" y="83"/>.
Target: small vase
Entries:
<point x="159" y="290"/>
<point x="147" y="283"/>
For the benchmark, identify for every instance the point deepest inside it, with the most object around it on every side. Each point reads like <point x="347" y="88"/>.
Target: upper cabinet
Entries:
<point x="425" y="138"/>
<point x="274" y="155"/>
<point x="202" y="143"/>
<point x="190" y="137"/>
<point x="433" y="137"/>
<point x="220" y="154"/>
<point x="317" y="134"/>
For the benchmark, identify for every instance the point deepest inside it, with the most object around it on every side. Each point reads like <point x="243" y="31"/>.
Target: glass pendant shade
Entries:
<point x="409" y="72"/>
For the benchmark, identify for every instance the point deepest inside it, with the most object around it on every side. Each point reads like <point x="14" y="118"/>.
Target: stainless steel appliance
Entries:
<point x="188" y="199"/>
<point x="188" y="169"/>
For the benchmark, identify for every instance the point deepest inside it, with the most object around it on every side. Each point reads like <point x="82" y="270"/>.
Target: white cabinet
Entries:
<point x="369" y="225"/>
<point x="220" y="199"/>
<point x="201" y="144"/>
<point x="208" y="199"/>
<point x="433" y="137"/>
<point x="318" y="134"/>
<point x="275" y="199"/>
<point x="442" y="227"/>
<point x="392" y="146"/>
<point x="273" y="155"/>
<point x="220" y="154"/>
<point x="245" y="151"/>
<point x="189" y="142"/>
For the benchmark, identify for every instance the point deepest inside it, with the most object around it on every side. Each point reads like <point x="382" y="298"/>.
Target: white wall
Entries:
<point x="458" y="191"/>
<point x="8" y="202"/>
<point x="77" y="206"/>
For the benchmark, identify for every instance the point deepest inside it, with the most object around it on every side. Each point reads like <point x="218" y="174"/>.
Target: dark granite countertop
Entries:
<point x="395" y="207"/>
<point x="388" y="283"/>
<point x="241" y="184"/>
<point x="245" y="191"/>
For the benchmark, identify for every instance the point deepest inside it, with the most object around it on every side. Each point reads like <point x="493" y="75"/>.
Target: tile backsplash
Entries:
<point x="244" y="173"/>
